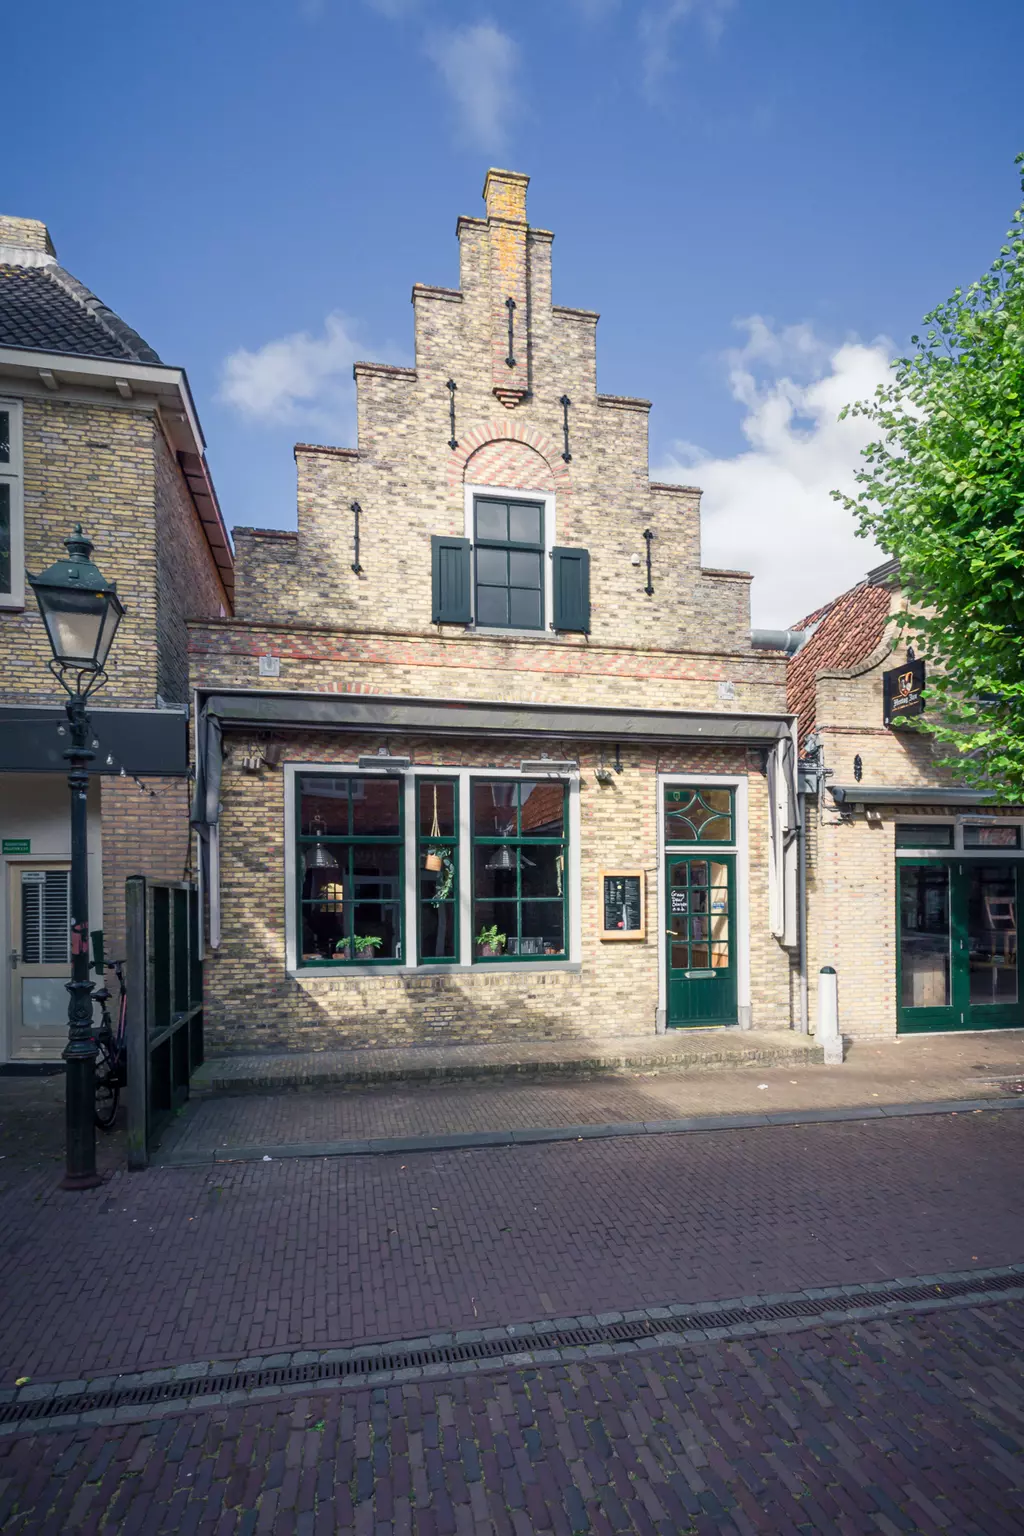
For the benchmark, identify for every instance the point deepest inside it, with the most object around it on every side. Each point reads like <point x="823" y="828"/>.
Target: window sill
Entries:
<point x="11" y="604"/>
<point x="498" y="968"/>
<point x="497" y="632"/>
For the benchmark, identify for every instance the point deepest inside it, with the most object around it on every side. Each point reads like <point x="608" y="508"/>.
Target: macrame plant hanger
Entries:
<point x="433" y="859"/>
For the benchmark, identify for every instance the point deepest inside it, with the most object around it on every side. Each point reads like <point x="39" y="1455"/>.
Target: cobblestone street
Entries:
<point x="908" y="1426"/>
<point x="904" y="1424"/>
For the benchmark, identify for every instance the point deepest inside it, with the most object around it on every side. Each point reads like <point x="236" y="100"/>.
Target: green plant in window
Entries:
<point x="490" y="941"/>
<point x="447" y="877"/>
<point x="343" y="949"/>
<point x="365" y="944"/>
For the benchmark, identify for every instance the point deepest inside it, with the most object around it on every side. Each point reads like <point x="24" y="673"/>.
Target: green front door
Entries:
<point x="700" y="922"/>
<point x="957" y="950"/>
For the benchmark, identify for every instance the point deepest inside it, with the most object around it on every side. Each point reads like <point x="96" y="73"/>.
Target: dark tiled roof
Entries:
<point x="45" y="309"/>
<point x="848" y="629"/>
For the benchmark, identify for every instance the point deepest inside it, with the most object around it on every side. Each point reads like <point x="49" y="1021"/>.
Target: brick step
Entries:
<point x="683" y="1051"/>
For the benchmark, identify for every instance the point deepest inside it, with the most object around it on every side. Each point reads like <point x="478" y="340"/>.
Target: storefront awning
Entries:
<point x="861" y="794"/>
<point x="283" y="711"/>
<point x="140" y="741"/>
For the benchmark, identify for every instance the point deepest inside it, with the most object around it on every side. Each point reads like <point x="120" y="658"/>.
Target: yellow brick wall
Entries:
<point x="252" y="1003"/>
<point x="91" y="464"/>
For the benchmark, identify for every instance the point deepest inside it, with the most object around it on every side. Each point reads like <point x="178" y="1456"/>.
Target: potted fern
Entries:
<point x="490" y="942"/>
<point x="366" y="945"/>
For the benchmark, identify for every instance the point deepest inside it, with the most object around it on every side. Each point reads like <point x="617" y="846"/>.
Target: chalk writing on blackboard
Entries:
<point x="622" y="904"/>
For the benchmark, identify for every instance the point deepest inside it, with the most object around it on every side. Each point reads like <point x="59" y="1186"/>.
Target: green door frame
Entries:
<point x="960" y="1013"/>
<point x="699" y="994"/>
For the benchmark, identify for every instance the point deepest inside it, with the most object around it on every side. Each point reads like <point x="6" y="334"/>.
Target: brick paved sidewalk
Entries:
<point x="909" y="1426"/>
<point x="907" y="1071"/>
<point x="175" y="1265"/>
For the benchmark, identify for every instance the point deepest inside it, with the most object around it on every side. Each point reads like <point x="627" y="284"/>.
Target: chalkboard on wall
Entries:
<point x="623" y="906"/>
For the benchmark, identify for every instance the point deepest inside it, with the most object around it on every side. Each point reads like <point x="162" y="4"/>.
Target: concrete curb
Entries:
<point x="465" y="1140"/>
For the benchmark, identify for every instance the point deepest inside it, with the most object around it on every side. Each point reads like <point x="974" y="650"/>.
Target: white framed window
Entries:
<point x="519" y="547"/>
<point x="12" y="507"/>
<point x="482" y="867"/>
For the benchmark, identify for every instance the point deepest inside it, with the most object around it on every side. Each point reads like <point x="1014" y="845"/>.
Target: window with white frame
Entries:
<point x="12" y="544"/>
<point x="442" y="867"/>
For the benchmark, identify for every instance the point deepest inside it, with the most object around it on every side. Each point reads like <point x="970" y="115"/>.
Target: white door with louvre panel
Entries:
<point x="40" y="960"/>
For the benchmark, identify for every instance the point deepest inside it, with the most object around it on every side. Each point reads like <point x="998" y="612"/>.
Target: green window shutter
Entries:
<point x="450" y="574"/>
<point x="572" y="589"/>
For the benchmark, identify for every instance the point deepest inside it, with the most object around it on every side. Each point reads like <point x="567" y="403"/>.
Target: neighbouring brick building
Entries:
<point x="485" y="750"/>
<point x="94" y="428"/>
<point x="912" y="879"/>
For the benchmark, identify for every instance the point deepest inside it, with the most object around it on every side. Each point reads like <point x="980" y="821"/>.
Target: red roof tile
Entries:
<point x="848" y="629"/>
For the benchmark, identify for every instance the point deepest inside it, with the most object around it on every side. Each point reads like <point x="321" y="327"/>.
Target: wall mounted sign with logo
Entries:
<point x="623" y="904"/>
<point x="901" y="692"/>
<point x="17" y="845"/>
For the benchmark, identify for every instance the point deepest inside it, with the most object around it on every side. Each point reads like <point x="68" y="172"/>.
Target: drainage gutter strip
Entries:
<point x="149" y="1394"/>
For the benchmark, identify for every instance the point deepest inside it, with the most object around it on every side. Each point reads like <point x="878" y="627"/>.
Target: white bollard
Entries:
<point x="828" y="1016"/>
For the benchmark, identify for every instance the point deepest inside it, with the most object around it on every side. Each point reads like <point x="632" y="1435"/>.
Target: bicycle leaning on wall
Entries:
<point x="111" y="1049"/>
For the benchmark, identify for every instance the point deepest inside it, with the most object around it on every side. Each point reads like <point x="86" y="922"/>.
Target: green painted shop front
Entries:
<point x="957" y="963"/>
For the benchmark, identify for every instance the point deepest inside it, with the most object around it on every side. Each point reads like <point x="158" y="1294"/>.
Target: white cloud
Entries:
<point x="768" y="509"/>
<point x="479" y="66"/>
<point x="659" y="26"/>
<point x="295" y="378"/>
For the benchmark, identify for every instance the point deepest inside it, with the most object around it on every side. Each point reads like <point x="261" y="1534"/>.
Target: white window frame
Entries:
<point x="12" y="474"/>
<point x="410" y="965"/>
<point x="739" y="846"/>
<point x="505" y="493"/>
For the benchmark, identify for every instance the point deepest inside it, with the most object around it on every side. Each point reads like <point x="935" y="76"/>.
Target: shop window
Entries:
<point x="437" y="845"/>
<point x="509" y="552"/>
<point x="350" y="870"/>
<point x="519" y="869"/>
<point x="699" y="814"/>
<point x="992" y="835"/>
<point x="924" y="834"/>
<point x="12" y="553"/>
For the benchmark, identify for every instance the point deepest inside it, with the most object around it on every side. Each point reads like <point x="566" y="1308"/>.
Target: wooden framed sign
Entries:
<point x="623" y="904"/>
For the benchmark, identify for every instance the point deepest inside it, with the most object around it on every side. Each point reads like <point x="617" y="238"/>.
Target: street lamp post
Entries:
<point x="81" y="611"/>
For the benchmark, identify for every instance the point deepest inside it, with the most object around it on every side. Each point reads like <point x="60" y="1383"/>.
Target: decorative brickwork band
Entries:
<point x="505" y="431"/>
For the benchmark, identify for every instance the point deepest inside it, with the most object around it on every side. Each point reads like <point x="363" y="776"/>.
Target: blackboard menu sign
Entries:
<point x="623" y="908"/>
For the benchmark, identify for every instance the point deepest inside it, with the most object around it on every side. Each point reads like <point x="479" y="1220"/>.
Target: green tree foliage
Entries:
<point x="942" y="490"/>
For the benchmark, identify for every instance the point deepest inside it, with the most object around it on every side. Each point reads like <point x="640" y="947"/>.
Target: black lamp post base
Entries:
<point x="80" y="1181"/>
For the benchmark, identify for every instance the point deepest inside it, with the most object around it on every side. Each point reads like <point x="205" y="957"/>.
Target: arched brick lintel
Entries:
<point x="499" y="430"/>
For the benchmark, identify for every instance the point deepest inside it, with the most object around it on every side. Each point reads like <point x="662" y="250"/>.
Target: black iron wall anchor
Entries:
<point x="356" y="511"/>
<point x="451" y="387"/>
<point x="649" y="589"/>
<point x="510" y="305"/>
<point x="565" y="403"/>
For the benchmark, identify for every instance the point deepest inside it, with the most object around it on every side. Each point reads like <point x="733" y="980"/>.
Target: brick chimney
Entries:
<point x="25" y="235"/>
<point x="505" y="200"/>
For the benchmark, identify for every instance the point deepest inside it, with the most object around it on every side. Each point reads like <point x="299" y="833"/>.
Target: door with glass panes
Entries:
<point x="700" y="903"/>
<point x="957" y="965"/>
<point x="39" y="901"/>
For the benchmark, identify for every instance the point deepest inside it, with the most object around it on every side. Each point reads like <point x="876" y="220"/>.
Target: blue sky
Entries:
<point x="761" y="197"/>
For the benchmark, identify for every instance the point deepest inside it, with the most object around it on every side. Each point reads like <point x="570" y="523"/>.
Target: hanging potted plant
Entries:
<point x="490" y="941"/>
<point x="447" y="880"/>
<point x="435" y="855"/>
<point x="366" y="944"/>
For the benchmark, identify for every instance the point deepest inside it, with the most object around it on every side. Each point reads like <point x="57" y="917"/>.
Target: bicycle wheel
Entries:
<point x="108" y="1085"/>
